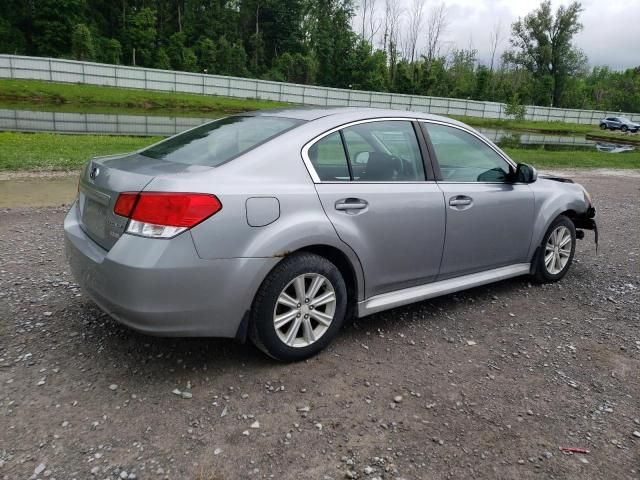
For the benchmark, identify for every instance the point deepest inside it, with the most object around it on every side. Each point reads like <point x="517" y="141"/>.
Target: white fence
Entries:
<point x="70" y="71"/>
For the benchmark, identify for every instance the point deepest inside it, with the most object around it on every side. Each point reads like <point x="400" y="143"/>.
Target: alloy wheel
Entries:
<point x="304" y="310"/>
<point x="557" y="250"/>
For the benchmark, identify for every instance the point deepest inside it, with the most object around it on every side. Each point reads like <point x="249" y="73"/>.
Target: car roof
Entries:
<point x="315" y="113"/>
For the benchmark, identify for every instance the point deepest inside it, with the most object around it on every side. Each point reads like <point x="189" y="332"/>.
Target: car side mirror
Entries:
<point x="525" y="173"/>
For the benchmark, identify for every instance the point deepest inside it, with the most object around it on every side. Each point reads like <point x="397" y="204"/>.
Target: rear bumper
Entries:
<point x="162" y="287"/>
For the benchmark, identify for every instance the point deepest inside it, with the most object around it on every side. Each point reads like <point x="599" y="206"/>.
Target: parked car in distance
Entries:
<point x="619" y="123"/>
<point x="278" y="225"/>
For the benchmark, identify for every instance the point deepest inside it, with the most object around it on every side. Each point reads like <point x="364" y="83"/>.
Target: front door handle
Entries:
<point x="351" y="204"/>
<point x="460" y="201"/>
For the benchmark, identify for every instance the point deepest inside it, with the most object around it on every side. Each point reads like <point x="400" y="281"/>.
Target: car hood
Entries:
<point x="555" y="178"/>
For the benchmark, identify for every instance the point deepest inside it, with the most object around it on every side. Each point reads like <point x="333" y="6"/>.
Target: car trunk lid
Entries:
<point x="101" y="182"/>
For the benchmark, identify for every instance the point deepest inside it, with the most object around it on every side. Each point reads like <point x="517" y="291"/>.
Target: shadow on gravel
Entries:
<point x="161" y="357"/>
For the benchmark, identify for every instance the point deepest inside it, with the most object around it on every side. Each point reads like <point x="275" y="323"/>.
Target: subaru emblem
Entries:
<point x="95" y="171"/>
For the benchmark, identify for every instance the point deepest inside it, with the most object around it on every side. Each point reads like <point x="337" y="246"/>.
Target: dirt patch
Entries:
<point x="38" y="191"/>
<point x="492" y="381"/>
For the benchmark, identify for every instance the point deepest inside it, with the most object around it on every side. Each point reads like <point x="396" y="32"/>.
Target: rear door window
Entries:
<point x="217" y="142"/>
<point x="385" y="151"/>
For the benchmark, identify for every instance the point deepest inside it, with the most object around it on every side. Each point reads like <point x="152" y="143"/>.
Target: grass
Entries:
<point x="35" y="94"/>
<point x="616" y="136"/>
<point x="48" y="151"/>
<point x="558" y="128"/>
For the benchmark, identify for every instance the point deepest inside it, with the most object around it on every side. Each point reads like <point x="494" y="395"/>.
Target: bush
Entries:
<point x="515" y="109"/>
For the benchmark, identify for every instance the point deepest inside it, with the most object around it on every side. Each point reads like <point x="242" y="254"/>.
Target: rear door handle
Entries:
<point x="460" y="201"/>
<point x="351" y="204"/>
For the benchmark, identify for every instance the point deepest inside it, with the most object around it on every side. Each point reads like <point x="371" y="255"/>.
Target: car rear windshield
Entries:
<point x="217" y="142"/>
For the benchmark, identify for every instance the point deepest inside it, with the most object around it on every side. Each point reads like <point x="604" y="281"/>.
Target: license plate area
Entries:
<point x="94" y="217"/>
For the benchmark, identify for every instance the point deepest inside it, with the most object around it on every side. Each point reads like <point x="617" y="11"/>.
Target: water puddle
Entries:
<point x="506" y="138"/>
<point x="48" y="191"/>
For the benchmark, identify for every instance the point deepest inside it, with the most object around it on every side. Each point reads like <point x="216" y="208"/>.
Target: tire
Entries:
<point x="624" y="128"/>
<point x="286" y="343"/>
<point x="603" y="126"/>
<point x="559" y="265"/>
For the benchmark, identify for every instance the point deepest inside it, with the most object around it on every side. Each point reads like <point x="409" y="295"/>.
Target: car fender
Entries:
<point x="550" y="202"/>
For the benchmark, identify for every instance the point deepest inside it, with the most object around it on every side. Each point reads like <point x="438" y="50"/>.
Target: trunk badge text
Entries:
<point x="95" y="171"/>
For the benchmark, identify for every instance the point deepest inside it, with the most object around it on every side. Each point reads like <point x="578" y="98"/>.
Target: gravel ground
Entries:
<point x="484" y="384"/>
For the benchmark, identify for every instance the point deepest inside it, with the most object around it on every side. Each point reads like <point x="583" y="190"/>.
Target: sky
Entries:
<point x="611" y="34"/>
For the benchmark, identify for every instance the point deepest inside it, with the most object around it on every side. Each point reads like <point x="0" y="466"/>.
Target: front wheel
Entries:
<point x="556" y="251"/>
<point x="299" y="308"/>
<point x="624" y="128"/>
<point x="603" y="126"/>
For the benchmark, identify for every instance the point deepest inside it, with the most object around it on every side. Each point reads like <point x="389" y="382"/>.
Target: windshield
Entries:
<point x="218" y="142"/>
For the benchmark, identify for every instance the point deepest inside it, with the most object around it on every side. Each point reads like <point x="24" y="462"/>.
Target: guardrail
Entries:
<point x="70" y="71"/>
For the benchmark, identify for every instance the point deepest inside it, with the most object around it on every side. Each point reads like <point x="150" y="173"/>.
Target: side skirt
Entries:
<point x="406" y="296"/>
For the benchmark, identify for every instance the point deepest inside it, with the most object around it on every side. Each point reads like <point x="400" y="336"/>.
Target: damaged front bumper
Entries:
<point x="587" y="221"/>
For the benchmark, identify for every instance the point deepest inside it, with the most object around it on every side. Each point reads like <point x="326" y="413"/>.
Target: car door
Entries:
<point x="489" y="219"/>
<point x="370" y="177"/>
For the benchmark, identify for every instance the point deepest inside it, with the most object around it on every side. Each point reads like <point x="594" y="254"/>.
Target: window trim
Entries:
<point x="434" y="155"/>
<point x="411" y="120"/>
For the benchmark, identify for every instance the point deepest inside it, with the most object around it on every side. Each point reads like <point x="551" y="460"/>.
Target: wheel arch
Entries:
<point x="340" y="259"/>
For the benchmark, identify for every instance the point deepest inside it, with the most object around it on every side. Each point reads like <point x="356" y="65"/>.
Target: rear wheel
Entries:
<point x="624" y="128"/>
<point x="299" y="308"/>
<point x="556" y="251"/>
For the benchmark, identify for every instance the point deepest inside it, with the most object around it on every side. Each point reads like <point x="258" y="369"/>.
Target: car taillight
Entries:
<point x="164" y="214"/>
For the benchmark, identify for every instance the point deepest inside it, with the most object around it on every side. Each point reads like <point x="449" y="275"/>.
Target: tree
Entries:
<point x="162" y="60"/>
<point x="392" y="20"/>
<point x="231" y="58"/>
<point x="416" y="18"/>
<point x="333" y="41"/>
<point x="515" y="108"/>
<point x="111" y="51"/>
<point x="542" y="43"/>
<point x="82" y="43"/>
<point x="11" y="39"/>
<point x="369" y="68"/>
<point x="207" y="53"/>
<point x="141" y="36"/>
<point x="53" y="21"/>
<point x="436" y="26"/>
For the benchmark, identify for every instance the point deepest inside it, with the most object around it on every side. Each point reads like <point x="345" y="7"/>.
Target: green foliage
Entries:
<point x="11" y="39"/>
<point x="515" y="109"/>
<point x="206" y="53"/>
<point x="141" y="36"/>
<point x="313" y="42"/>
<point x="53" y="22"/>
<point x="111" y="51"/>
<point x="82" y="43"/>
<point x="296" y="68"/>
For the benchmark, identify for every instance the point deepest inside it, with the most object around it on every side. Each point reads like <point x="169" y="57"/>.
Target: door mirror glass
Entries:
<point x="525" y="173"/>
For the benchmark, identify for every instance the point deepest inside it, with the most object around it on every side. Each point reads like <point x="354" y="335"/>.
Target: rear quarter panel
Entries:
<point x="275" y="170"/>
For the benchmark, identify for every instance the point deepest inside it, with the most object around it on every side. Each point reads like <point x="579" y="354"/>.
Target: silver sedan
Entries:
<point x="278" y="225"/>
